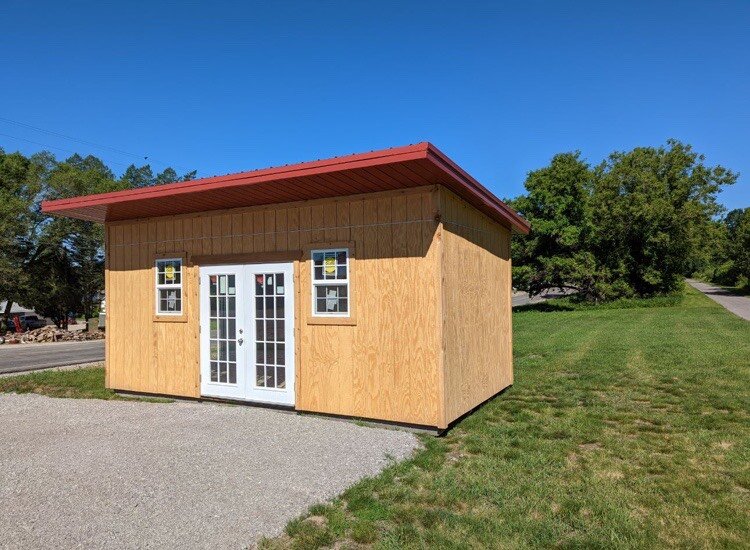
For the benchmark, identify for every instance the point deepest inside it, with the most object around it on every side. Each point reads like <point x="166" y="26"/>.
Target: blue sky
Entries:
<point x="499" y="87"/>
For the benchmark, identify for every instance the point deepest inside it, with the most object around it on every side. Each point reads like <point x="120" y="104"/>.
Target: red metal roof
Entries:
<point x="396" y="168"/>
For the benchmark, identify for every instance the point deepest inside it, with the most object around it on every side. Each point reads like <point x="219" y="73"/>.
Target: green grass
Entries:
<point x="86" y="383"/>
<point x="625" y="428"/>
<point x="570" y="303"/>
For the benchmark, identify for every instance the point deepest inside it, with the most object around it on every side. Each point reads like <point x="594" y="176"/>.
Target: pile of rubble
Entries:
<point x="51" y="333"/>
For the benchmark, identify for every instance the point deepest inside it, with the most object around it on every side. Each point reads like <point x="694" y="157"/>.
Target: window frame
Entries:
<point x="329" y="282"/>
<point x="338" y="318"/>
<point x="166" y="316"/>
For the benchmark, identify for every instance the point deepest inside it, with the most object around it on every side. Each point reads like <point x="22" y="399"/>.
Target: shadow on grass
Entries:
<point x="572" y="303"/>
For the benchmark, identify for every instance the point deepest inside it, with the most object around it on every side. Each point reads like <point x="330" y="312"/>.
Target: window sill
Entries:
<point x="332" y="321"/>
<point x="171" y="318"/>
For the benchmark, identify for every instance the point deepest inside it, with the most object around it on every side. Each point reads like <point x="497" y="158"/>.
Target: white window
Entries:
<point x="330" y="283"/>
<point x="169" y="286"/>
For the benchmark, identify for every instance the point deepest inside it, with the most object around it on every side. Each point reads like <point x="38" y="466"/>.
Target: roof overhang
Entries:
<point x="388" y="169"/>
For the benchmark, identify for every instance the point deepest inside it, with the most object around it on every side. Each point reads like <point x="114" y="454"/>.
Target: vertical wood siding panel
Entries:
<point x="269" y="226"/>
<point x="343" y="231"/>
<point x="197" y="232"/>
<point x="225" y="235"/>
<point x="258" y="241"/>
<point x="282" y="230"/>
<point x="329" y="221"/>
<point x="477" y="309"/>
<point x="293" y="223"/>
<point x="247" y="230"/>
<point x="208" y="243"/>
<point x="383" y="367"/>
<point x="317" y="223"/>
<point x="236" y="233"/>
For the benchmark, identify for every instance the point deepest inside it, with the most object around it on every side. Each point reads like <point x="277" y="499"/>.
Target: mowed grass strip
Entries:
<point x="625" y="428"/>
<point x="83" y="383"/>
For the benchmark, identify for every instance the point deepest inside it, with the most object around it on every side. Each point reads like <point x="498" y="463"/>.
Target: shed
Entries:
<point x="375" y="285"/>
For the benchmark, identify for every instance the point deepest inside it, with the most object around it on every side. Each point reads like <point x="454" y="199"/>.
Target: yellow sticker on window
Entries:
<point x="169" y="272"/>
<point x="330" y="265"/>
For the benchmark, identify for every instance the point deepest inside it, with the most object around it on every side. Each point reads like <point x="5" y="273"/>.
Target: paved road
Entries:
<point x="23" y="357"/>
<point x="87" y="473"/>
<point x="739" y="305"/>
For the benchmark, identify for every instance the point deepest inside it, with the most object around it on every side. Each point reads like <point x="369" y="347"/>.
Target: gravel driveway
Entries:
<point x="94" y="474"/>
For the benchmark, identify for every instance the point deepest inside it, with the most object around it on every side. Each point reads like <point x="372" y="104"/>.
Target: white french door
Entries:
<point x="247" y="332"/>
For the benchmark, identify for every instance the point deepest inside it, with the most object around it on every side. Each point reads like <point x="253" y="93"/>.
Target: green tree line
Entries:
<point x="636" y="224"/>
<point x="56" y="265"/>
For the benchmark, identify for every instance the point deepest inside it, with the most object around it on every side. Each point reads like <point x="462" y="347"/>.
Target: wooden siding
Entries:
<point x="476" y="306"/>
<point x="386" y="366"/>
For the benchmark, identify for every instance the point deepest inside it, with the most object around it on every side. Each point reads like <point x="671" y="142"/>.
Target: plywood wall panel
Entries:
<point x="478" y="361"/>
<point x="384" y="367"/>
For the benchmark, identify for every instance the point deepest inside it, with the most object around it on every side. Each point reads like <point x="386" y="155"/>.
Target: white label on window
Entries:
<point x="222" y="285"/>
<point x="279" y="290"/>
<point x="172" y="301"/>
<point x="331" y="299"/>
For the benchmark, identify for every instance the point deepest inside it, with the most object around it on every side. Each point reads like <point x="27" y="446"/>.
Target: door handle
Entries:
<point x="240" y="341"/>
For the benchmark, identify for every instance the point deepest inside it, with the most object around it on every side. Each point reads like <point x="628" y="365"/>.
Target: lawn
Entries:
<point x="86" y="383"/>
<point x="625" y="428"/>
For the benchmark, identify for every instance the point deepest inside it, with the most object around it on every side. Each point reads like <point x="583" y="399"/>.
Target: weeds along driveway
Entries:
<point x="90" y="473"/>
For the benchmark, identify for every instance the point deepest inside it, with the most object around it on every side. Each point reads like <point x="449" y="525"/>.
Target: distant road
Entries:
<point x="739" y="305"/>
<point x="28" y="357"/>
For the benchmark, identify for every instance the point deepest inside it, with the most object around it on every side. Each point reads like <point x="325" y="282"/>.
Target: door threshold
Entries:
<point x="233" y="401"/>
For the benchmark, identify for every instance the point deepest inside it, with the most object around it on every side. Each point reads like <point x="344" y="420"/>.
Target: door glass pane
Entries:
<point x="280" y="308"/>
<point x="222" y="329"/>
<point x="270" y="369"/>
<point x="260" y="375"/>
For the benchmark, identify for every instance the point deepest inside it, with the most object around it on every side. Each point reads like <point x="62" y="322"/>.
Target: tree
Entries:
<point x="20" y="184"/>
<point x="138" y="177"/>
<point x="650" y="208"/>
<point x="740" y="246"/>
<point x="144" y="176"/>
<point x="634" y="225"/>
<point x="56" y="265"/>
<point x="72" y="251"/>
<point x="730" y="263"/>
<point x="556" y="253"/>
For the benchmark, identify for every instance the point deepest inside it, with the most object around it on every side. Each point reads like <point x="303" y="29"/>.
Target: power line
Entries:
<point x="85" y="142"/>
<point x="54" y="147"/>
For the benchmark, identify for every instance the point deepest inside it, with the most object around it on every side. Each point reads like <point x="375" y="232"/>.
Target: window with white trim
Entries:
<point x="169" y="286"/>
<point x="330" y="283"/>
